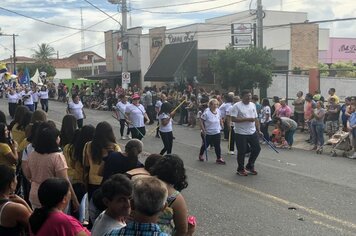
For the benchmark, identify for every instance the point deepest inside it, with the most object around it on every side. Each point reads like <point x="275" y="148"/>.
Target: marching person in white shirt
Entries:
<point x="76" y="109"/>
<point x="35" y="97"/>
<point x="12" y="99"/>
<point x="247" y="129"/>
<point x="136" y="115"/>
<point x="120" y="112"/>
<point x="27" y="99"/>
<point x="44" y="98"/>
<point x="165" y="127"/>
<point x="211" y="123"/>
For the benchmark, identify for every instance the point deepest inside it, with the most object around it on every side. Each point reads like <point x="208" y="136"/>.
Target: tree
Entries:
<point x="243" y="68"/>
<point x="323" y="69"/>
<point x="344" y="69"/>
<point x="48" y="68"/>
<point x="44" y="53"/>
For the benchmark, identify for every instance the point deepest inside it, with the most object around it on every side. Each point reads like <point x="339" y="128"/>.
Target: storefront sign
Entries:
<point x="347" y="48"/>
<point x="157" y="42"/>
<point x="241" y="28"/>
<point x="181" y="38"/>
<point x="126" y="77"/>
<point x="241" y="40"/>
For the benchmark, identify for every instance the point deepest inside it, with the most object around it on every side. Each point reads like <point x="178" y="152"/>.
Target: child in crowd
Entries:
<point x="116" y="193"/>
<point x="278" y="139"/>
<point x="149" y="199"/>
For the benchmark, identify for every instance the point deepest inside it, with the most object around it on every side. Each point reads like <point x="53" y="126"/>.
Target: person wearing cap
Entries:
<point x="284" y="110"/>
<point x="136" y="115"/>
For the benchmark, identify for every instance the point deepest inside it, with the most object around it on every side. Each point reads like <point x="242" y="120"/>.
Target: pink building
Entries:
<point x="340" y="49"/>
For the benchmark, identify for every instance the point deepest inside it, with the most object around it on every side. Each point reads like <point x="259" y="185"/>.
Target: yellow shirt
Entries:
<point x="23" y="145"/>
<point x="93" y="177"/>
<point x="18" y="135"/>
<point x="75" y="168"/>
<point x="4" y="151"/>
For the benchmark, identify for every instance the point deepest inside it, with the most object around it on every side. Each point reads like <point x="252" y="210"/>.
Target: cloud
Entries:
<point x="67" y="13"/>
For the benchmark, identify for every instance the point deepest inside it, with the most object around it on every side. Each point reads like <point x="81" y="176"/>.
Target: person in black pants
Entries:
<point x="247" y="129"/>
<point x="211" y="123"/>
<point x="165" y="127"/>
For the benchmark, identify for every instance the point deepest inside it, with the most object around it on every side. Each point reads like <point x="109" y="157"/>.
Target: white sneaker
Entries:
<point x="231" y="152"/>
<point x="123" y="138"/>
<point x="128" y="137"/>
<point x="353" y="156"/>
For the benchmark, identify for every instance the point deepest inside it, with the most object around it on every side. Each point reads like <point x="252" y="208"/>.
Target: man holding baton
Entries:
<point x="247" y="130"/>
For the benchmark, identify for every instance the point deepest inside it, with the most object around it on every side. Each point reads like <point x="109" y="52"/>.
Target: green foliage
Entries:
<point x="297" y="71"/>
<point x="44" y="53"/>
<point x="324" y="69"/>
<point x="243" y="68"/>
<point x="344" y="69"/>
<point x="48" y="68"/>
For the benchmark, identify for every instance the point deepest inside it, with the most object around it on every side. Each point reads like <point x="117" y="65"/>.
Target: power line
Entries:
<point x="187" y="12"/>
<point x="102" y="11"/>
<point x="176" y="5"/>
<point x="48" y="23"/>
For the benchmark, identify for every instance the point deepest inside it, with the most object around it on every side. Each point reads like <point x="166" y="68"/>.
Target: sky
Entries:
<point x="58" y="22"/>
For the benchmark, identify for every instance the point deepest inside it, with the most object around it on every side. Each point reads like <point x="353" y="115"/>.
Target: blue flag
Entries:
<point x="25" y="79"/>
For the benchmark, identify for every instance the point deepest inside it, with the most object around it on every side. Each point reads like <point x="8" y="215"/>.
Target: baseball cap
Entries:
<point x="135" y="96"/>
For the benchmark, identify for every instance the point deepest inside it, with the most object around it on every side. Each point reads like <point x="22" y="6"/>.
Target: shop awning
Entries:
<point x="170" y="60"/>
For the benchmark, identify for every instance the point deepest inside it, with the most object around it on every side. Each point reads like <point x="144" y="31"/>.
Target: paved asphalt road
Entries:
<point x="295" y="192"/>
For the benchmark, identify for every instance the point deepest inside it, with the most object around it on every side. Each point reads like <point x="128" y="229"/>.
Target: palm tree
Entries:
<point x="43" y="53"/>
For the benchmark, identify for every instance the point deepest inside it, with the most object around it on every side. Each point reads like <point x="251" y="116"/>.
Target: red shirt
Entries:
<point x="60" y="224"/>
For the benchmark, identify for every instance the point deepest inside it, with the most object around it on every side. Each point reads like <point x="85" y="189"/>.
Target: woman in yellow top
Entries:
<point x="18" y="134"/>
<point x="103" y="143"/>
<point x="8" y="148"/>
<point x="73" y="153"/>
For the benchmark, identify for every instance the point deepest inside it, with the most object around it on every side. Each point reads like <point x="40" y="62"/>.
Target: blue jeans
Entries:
<point x="290" y="136"/>
<point x="318" y="130"/>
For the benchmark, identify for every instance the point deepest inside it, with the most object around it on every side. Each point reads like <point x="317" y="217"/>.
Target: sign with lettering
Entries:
<point x="181" y="38"/>
<point x="241" y="28"/>
<point x="126" y="77"/>
<point x="347" y="48"/>
<point x="241" y="40"/>
<point x="157" y="42"/>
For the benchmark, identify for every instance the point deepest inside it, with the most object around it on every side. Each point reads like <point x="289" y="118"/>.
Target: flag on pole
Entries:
<point x="25" y="78"/>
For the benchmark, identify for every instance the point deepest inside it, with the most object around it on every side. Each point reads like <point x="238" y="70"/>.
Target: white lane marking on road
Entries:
<point x="276" y="199"/>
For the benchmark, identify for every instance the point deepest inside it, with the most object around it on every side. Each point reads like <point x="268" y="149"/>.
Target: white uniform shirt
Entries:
<point x="28" y="100"/>
<point x="76" y="109"/>
<point x="12" y="98"/>
<point x="223" y="108"/>
<point x="35" y="96"/>
<point x="122" y="108"/>
<point x="211" y="122"/>
<point x="136" y="115"/>
<point x="43" y="94"/>
<point x="241" y="110"/>
<point x="168" y="127"/>
<point x="228" y="113"/>
<point x="266" y="110"/>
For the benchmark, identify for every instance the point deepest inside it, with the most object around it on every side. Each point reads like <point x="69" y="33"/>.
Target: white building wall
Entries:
<point x="145" y="58"/>
<point x="63" y="73"/>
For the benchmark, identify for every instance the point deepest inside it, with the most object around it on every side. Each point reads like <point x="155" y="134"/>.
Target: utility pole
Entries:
<point x="125" y="41"/>
<point x="13" y="48"/>
<point x="260" y="16"/>
<point x="259" y="24"/>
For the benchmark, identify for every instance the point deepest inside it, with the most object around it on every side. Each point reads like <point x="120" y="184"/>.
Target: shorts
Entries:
<point x="299" y="117"/>
<point x="332" y="126"/>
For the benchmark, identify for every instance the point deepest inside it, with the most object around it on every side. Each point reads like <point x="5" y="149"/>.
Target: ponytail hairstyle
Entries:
<point x="50" y="193"/>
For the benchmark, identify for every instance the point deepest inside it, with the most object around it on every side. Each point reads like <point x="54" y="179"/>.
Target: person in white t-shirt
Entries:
<point x="165" y="127"/>
<point x="163" y="98"/>
<point x="12" y="99"/>
<point x="116" y="191"/>
<point x="231" y="145"/>
<point x="76" y="109"/>
<point x="247" y="129"/>
<point x="211" y="123"/>
<point x="35" y="97"/>
<point x="120" y="111"/>
<point x="43" y="94"/>
<point x="27" y="99"/>
<point x="223" y="110"/>
<point x="266" y="118"/>
<point x="136" y="115"/>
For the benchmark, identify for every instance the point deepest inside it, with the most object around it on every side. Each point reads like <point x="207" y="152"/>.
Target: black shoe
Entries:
<point x="157" y="136"/>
